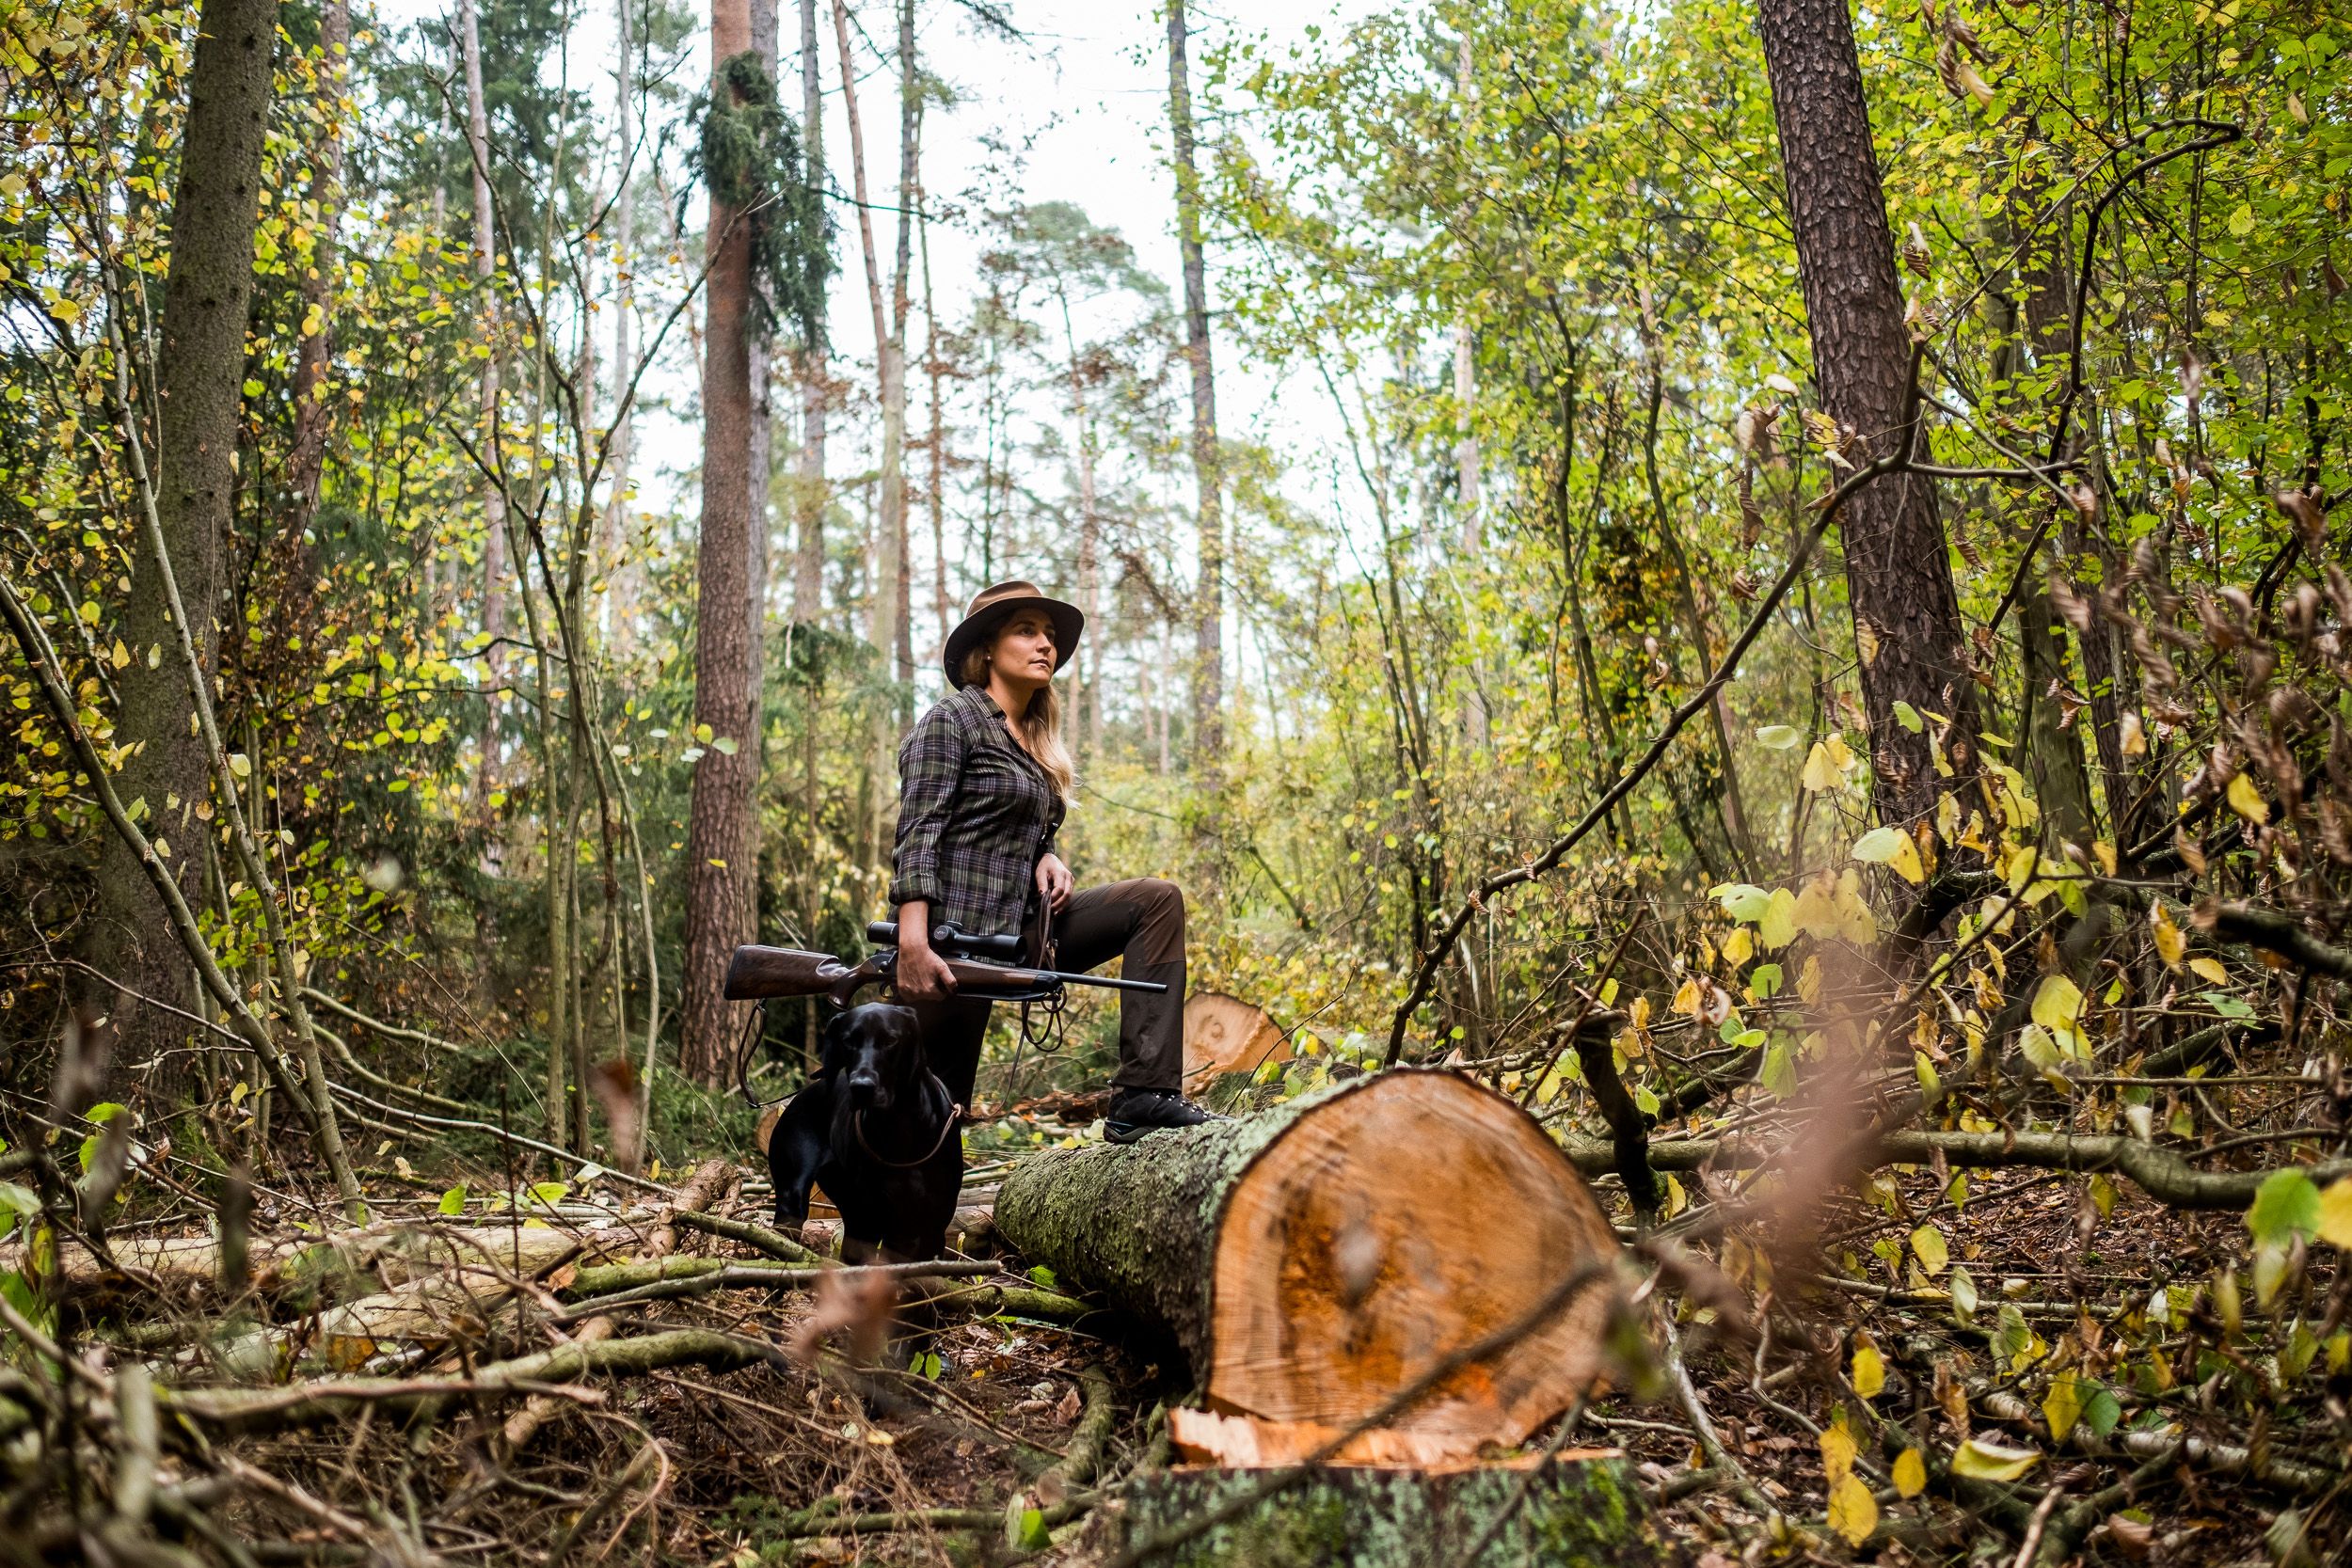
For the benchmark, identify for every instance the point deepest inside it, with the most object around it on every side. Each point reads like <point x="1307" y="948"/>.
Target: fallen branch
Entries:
<point x="2223" y="1458"/>
<point x="376" y="1026"/>
<point x="549" y="1371"/>
<point x="817" y="1521"/>
<point x="755" y="1275"/>
<point x="2163" y="1174"/>
<point x="457" y="1124"/>
<point x="774" y="1243"/>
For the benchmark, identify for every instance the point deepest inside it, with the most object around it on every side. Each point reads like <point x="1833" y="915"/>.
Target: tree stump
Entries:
<point x="1579" y="1512"/>
<point x="1313" y="1259"/>
<point x="1224" y="1033"/>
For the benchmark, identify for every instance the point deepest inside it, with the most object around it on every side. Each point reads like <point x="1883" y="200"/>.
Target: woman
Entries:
<point x="983" y="781"/>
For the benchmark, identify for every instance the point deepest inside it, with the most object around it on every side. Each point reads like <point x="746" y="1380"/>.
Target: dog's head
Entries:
<point x="874" y="1055"/>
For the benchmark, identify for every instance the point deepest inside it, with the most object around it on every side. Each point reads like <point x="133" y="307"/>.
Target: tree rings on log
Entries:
<point x="1224" y="1033"/>
<point x="1388" y="1227"/>
<point x="1576" y="1511"/>
<point x="1315" y="1259"/>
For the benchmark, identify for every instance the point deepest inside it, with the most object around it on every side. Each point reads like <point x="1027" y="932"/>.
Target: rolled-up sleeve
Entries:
<point x="930" y="762"/>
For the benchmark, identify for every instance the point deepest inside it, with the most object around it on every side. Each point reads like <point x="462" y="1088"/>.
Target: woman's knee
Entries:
<point x="1162" y="902"/>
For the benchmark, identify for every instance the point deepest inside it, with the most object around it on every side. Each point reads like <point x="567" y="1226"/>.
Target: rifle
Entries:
<point x="980" y="965"/>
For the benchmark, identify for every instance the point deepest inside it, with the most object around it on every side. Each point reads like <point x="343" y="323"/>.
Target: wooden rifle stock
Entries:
<point x="759" y="973"/>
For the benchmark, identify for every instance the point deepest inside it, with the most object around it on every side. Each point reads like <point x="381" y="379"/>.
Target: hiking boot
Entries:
<point x="1134" y="1112"/>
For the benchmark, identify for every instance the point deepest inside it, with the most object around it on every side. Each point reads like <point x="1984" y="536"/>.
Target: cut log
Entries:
<point x="1316" y="1258"/>
<point x="1573" y="1512"/>
<point x="1224" y="1033"/>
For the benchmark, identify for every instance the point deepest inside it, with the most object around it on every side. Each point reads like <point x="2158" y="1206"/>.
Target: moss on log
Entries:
<point x="1568" y="1513"/>
<point x="1314" y="1258"/>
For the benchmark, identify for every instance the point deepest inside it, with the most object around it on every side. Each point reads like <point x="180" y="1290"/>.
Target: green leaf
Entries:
<point x="1742" y="901"/>
<point x="1778" y="1074"/>
<point x="1879" y="845"/>
<point x="549" y="1193"/>
<point x="723" y="745"/>
<point x="1908" y="717"/>
<point x="2102" y="1411"/>
<point x="1780" y="737"/>
<point x="454" y="1200"/>
<point x="1765" y="981"/>
<point x="1040" y="1275"/>
<point x="2286" y="1207"/>
<point x="1035" y="1536"/>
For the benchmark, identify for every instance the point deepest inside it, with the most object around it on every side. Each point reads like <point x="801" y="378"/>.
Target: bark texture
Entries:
<point x="721" y="848"/>
<point x="1897" y="574"/>
<point x="208" y="294"/>
<point x="1569" y="1513"/>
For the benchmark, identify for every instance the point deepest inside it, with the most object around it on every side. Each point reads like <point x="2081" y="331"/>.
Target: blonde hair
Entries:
<point x="1040" y="726"/>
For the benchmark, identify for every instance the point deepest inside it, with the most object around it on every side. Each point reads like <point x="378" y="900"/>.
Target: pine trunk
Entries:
<point x="1897" y="574"/>
<point x="200" y="373"/>
<point x="1208" y="608"/>
<point x="1313" y="1259"/>
<point x="722" y="846"/>
<point x="809" y="560"/>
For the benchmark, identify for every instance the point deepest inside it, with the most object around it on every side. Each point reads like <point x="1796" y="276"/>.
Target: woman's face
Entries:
<point x="1023" y="653"/>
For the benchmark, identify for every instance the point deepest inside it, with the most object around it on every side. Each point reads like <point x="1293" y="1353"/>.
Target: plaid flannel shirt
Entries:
<point x="976" y="814"/>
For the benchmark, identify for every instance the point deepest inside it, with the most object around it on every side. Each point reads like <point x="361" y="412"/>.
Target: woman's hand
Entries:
<point x="922" y="976"/>
<point x="1054" y="883"/>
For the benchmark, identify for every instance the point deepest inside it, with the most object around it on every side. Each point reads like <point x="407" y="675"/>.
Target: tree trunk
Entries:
<point x="1575" y="1511"/>
<point x="910" y="197"/>
<point x="617" y="558"/>
<point x="1208" y="681"/>
<point x="2054" y="752"/>
<point x="1085" y="670"/>
<point x="722" y="845"/>
<point x="1897" y="574"/>
<point x="891" y="530"/>
<point x="494" y="496"/>
<point x="1313" y="1259"/>
<point x="808" y="565"/>
<point x="309" y="455"/>
<point x="199" y="373"/>
<point x="763" y="434"/>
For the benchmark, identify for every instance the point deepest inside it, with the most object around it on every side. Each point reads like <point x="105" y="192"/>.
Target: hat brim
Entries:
<point x="973" y="631"/>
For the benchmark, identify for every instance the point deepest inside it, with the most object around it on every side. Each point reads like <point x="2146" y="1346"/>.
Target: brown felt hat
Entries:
<point x="988" y="610"/>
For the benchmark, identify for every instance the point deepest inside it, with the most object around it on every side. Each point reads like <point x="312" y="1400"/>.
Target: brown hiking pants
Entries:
<point x="1141" y="921"/>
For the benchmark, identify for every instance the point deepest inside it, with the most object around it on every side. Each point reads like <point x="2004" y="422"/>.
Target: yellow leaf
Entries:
<point x="1911" y="1473"/>
<point x="1981" y="1461"/>
<point x="1906" y="861"/>
<point x="1816" y="910"/>
<point x="2209" y="969"/>
<point x="1739" y="946"/>
<point x="1778" y="927"/>
<point x="2248" y="801"/>
<point x="1809" y="980"/>
<point x="2063" y="1406"/>
<point x="1820" y="772"/>
<point x="1870" y="1371"/>
<point x="1837" y="1453"/>
<point x="2170" y="944"/>
<point x="1927" y="1244"/>
<point x="2057" y="1006"/>
<point x="1852" y="1512"/>
<point x="121" y="656"/>
<point x="2335" y="1213"/>
<point x="1686" y="999"/>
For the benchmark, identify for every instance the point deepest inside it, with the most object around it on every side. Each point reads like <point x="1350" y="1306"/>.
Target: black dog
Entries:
<point x="878" y="1128"/>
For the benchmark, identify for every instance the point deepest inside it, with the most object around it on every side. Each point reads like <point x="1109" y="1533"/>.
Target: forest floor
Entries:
<point x="788" y="1431"/>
